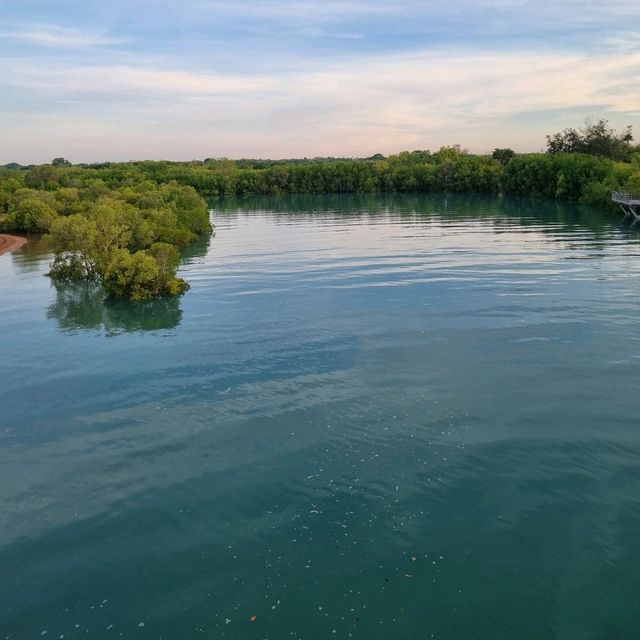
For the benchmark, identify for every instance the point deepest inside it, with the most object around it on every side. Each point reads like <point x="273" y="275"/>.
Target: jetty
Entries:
<point x="628" y="202"/>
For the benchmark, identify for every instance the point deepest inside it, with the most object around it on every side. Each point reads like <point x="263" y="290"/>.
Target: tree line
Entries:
<point x="124" y="223"/>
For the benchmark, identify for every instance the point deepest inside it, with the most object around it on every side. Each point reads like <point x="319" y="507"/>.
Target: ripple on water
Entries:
<point x="380" y="416"/>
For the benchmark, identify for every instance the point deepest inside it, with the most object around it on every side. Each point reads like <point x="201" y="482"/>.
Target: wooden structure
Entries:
<point x="628" y="202"/>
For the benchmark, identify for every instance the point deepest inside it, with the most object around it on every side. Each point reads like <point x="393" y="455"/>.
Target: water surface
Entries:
<point x="370" y="417"/>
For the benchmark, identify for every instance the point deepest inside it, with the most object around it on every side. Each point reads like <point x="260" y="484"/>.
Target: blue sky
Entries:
<point x="171" y="79"/>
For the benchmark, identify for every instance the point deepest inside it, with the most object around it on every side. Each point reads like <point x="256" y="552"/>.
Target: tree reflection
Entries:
<point x="31" y="256"/>
<point x="418" y="206"/>
<point x="197" y="249"/>
<point x="85" y="306"/>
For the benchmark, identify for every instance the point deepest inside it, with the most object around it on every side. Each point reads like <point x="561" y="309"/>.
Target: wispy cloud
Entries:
<point x="500" y="84"/>
<point x="521" y="12"/>
<point x="185" y="78"/>
<point x="65" y="79"/>
<point x="60" y="37"/>
<point x="421" y="100"/>
<point x="306" y="10"/>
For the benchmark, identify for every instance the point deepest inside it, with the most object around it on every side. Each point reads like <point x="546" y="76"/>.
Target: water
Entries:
<point x="370" y="417"/>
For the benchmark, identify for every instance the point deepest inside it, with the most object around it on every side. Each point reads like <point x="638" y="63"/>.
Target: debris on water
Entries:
<point x="141" y="624"/>
<point x="227" y="620"/>
<point x="253" y="618"/>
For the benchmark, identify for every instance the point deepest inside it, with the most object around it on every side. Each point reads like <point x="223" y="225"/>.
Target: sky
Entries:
<point x="118" y="80"/>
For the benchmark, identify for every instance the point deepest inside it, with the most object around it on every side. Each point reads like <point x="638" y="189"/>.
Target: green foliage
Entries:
<point x="68" y="201"/>
<point x="133" y="276"/>
<point x="140" y="276"/>
<point x="43" y="177"/>
<point x="191" y="210"/>
<point x="633" y="177"/>
<point x="115" y="241"/>
<point x="114" y="225"/>
<point x="503" y="156"/>
<point x="71" y="266"/>
<point x="166" y="255"/>
<point x="597" y="194"/>
<point x="123" y="223"/>
<point x="29" y="214"/>
<point x="74" y="240"/>
<point x="560" y="176"/>
<point x="595" y="139"/>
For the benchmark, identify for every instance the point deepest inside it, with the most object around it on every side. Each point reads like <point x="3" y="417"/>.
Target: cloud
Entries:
<point x="387" y="103"/>
<point x="65" y="79"/>
<point x="305" y="10"/>
<point x="565" y="14"/>
<point x="60" y="37"/>
<point x="491" y="83"/>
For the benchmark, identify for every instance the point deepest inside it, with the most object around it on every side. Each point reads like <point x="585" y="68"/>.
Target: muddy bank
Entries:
<point x="10" y="243"/>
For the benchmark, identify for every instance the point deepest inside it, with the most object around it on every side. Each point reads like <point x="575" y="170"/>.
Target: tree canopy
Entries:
<point x="124" y="232"/>
<point x="123" y="224"/>
<point x="594" y="139"/>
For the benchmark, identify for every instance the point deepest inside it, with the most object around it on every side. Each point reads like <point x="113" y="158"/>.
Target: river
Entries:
<point x="370" y="417"/>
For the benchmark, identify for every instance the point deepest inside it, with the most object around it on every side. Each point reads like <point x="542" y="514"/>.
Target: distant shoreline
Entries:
<point x="10" y="243"/>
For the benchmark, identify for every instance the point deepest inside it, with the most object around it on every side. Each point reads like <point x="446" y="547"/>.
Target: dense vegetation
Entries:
<point x="123" y="223"/>
<point x="595" y="139"/>
<point x="126" y="234"/>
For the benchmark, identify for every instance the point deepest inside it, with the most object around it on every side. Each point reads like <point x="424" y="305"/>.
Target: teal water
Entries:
<point x="370" y="417"/>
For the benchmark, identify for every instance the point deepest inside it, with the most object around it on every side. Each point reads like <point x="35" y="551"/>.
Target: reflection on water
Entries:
<point x="198" y="249"/>
<point x="31" y="257"/>
<point x="373" y="417"/>
<point x="422" y="207"/>
<point x="85" y="306"/>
